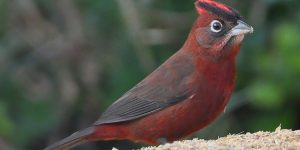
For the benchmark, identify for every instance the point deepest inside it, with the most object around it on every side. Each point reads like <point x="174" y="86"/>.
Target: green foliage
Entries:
<point x="6" y="124"/>
<point x="266" y="95"/>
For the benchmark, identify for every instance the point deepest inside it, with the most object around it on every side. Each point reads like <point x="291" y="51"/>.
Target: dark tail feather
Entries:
<point x="72" y="140"/>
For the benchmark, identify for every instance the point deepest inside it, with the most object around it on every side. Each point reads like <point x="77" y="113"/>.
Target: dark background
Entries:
<point x="62" y="62"/>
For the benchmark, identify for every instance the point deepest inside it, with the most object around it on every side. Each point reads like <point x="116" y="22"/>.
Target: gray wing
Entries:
<point x="166" y="86"/>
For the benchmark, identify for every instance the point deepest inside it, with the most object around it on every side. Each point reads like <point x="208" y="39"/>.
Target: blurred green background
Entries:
<point x="62" y="62"/>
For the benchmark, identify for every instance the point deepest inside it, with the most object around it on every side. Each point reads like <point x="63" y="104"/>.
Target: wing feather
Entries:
<point x="166" y="86"/>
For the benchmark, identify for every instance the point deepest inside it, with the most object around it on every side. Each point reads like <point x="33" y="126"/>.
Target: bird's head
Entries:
<point x="219" y="30"/>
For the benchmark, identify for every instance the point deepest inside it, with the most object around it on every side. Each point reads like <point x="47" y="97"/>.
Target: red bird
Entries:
<point x="184" y="94"/>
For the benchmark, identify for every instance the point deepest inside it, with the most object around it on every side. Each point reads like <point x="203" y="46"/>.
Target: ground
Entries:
<point x="280" y="139"/>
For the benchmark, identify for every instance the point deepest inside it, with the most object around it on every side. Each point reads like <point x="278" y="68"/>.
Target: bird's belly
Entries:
<point x="177" y="121"/>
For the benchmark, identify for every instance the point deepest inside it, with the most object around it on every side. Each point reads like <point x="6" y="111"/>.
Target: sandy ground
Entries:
<point x="281" y="139"/>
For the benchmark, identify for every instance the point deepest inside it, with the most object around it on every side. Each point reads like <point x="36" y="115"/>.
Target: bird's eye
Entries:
<point x="216" y="26"/>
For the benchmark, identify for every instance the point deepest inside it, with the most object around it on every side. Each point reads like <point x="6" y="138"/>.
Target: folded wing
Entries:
<point x="166" y="86"/>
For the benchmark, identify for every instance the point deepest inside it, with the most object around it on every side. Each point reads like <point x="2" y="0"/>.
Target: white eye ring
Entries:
<point x="216" y="26"/>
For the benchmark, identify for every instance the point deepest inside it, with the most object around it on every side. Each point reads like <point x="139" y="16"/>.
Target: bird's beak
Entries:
<point x="241" y="28"/>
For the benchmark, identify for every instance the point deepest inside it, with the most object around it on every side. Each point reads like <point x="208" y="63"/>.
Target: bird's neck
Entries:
<point x="220" y="70"/>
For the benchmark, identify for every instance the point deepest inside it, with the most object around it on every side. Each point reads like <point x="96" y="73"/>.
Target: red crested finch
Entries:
<point x="184" y="94"/>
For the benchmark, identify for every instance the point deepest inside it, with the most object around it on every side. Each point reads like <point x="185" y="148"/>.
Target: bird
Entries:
<point x="183" y="95"/>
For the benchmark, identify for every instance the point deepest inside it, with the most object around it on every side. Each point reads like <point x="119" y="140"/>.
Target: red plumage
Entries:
<point x="184" y="94"/>
<point x="216" y="4"/>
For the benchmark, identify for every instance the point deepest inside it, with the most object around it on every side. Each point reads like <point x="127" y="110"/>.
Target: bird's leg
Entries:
<point x="162" y="141"/>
